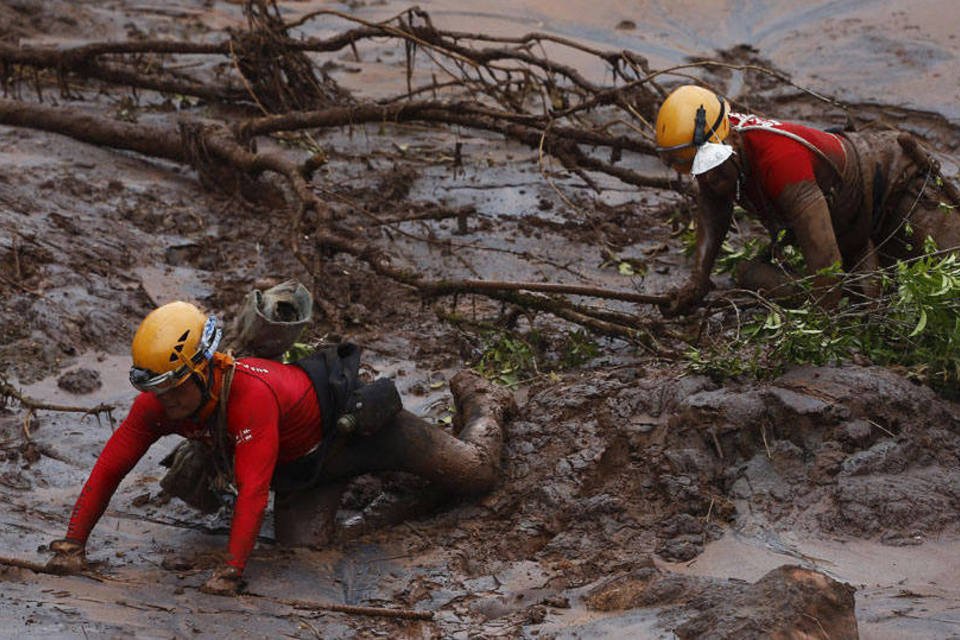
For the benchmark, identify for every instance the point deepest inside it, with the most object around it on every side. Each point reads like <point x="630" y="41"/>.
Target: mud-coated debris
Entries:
<point x="557" y="602"/>
<point x="30" y="452"/>
<point x="536" y="614"/>
<point x="80" y="381"/>
<point x="788" y="602"/>
<point x="855" y="432"/>
<point x="625" y="591"/>
<point x="681" y="523"/>
<point x="626" y="25"/>
<point x="141" y="499"/>
<point x="681" y="548"/>
<point x="177" y="563"/>
<point x="15" y="480"/>
<point x="828" y="462"/>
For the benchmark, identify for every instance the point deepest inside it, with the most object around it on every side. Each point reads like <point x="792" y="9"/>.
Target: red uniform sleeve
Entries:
<point x="123" y="450"/>
<point x="253" y="417"/>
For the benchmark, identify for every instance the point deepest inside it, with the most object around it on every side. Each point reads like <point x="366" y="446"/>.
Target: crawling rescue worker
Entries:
<point x="266" y="425"/>
<point x="860" y="200"/>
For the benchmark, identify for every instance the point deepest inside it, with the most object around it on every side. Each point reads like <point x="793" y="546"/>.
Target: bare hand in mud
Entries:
<point x="69" y="557"/>
<point x="225" y="581"/>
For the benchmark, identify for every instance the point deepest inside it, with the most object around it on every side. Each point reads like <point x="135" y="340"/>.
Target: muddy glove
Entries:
<point x="685" y="299"/>
<point x="69" y="557"/>
<point x="225" y="581"/>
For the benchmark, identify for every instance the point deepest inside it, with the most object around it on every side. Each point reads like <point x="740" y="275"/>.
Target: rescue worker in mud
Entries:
<point x="270" y="424"/>
<point x="844" y="198"/>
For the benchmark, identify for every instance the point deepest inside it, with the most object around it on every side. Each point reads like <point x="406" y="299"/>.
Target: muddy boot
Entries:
<point x="482" y="408"/>
<point x="307" y="518"/>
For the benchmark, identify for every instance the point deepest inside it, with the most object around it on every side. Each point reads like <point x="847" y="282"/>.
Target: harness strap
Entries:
<point x="222" y="459"/>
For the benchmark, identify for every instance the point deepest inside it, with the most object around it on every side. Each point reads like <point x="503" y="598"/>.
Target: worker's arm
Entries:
<point x="123" y="450"/>
<point x="253" y="424"/>
<point x="804" y="209"/>
<point x="712" y="221"/>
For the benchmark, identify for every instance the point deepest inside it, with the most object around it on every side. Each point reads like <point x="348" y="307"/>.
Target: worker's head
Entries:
<point x="174" y="344"/>
<point x="691" y="126"/>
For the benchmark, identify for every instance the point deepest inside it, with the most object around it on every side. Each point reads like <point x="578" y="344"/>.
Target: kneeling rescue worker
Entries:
<point x="270" y="424"/>
<point x="860" y="200"/>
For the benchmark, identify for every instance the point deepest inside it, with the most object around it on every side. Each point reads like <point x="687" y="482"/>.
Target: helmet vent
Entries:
<point x="184" y="336"/>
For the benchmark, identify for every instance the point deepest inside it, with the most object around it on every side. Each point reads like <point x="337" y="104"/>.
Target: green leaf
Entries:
<point x="921" y="324"/>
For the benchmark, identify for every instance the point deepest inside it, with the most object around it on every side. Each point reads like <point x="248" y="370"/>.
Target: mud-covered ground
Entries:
<point x="636" y="500"/>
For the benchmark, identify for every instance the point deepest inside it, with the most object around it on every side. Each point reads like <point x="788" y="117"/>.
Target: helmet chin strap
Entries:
<point x="205" y="385"/>
<point x="210" y="393"/>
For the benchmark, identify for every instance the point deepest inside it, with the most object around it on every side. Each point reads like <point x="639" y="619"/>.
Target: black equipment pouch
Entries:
<point x="370" y="408"/>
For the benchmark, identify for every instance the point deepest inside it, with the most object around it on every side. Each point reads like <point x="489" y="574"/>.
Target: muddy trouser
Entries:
<point x="465" y="464"/>
<point x="901" y="198"/>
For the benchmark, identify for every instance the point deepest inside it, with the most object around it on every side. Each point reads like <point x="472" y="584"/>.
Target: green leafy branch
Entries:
<point x="915" y="325"/>
<point x="509" y="358"/>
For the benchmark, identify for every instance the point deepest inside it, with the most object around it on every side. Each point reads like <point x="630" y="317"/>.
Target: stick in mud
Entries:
<point x="38" y="567"/>
<point x="35" y="405"/>
<point x="383" y="612"/>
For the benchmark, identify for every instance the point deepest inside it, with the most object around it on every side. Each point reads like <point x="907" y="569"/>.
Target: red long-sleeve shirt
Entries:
<point x="273" y="417"/>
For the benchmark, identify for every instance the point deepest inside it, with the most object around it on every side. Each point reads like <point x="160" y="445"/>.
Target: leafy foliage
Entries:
<point x="297" y="351"/>
<point x="915" y="325"/>
<point x="510" y="358"/>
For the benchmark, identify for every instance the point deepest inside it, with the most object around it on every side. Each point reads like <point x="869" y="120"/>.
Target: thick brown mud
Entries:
<point x="635" y="500"/>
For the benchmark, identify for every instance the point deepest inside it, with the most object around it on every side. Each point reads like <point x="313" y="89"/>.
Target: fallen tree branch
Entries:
<point x="32" y="404"/>
<point x="208" y="146"/>
<point x="449" y="287"/>
<point x="380" y="612"/>
<point x="39" y="567"/>
<point x="81" y="61"/>
<point x="148" y="140"/>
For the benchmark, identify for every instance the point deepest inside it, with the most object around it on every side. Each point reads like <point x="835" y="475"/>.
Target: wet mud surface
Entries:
<point x="635" y="500"/>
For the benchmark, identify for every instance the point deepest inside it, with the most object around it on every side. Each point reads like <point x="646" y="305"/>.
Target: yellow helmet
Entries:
<point x="172" y="342"/>
<point x="688" y="118"/>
